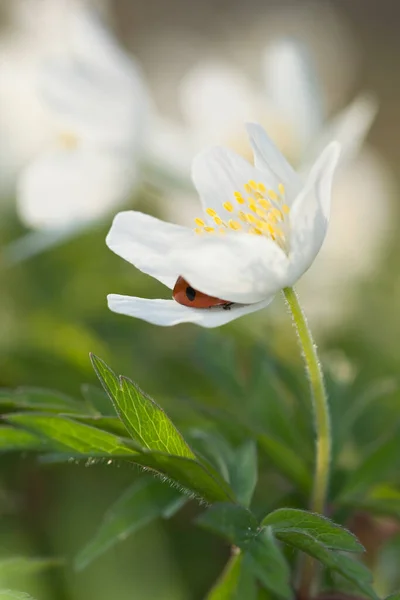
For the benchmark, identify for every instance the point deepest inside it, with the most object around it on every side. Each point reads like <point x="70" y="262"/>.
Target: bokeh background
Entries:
<point x="200" y="63"/>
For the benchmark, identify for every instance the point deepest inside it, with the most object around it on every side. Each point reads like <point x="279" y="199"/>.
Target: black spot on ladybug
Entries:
<point x="227" y="306"/>
<point x="190" y="293"/>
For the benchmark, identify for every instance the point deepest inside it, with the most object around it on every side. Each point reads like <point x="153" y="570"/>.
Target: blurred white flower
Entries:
<point x="261" y="229"/>
<point x="34" y="29"/>
<point x="98" y="104"/>
<point x="290" y="107"/>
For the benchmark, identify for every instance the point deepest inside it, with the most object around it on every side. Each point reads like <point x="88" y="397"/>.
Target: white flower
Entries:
<point x="290" y="105"/>
<point x="261" y="229"/>
<point x="32" y="30"/>
<point x="98" y="102"/>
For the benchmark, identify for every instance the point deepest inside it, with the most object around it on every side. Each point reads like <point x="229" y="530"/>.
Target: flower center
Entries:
<point x="255" y="210"/>
<point x="68" y="140"/>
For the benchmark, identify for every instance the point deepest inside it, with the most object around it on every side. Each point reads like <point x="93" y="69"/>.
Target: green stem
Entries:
<point x="322" y="424"/>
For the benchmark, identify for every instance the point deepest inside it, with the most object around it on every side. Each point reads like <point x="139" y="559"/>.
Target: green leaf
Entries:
<point x="190" y="474"/>
<point x="98" y="400"/>
<point x="111" y="424"/>
<point x="323" y="530"/>
<point x="395" y="596"/>
<point x="243" y="472"/>
<point x="283" y="458"/>
<point x="287" y="461"/>
<point x="145" y="420"/>
<point x="143" y="502"/>
<point x="214" y="448"/>
<point x="239" y="526"/>
<point x="236" y="582"/>
<point x="269" y="565"/>
<point x="235" y="523"/>
<point x="71" y="435"/>
<point x="351" y="570"/>
<point x="14" y="595"/>
<point x="162" y="447"/>
<point x="33" y="399"/>
<point x="12" y="440"/>
<point x="378" y="465"/>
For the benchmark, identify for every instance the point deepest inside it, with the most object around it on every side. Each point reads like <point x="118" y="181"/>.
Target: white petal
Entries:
<point x="147" y="242"/>
<point x="309" y="215"/>
<point x="219" y="172"/>
<point x="77" y="87"/>
<point x="169" y="312"/>
<point x="271" y="162"/>
<point x="215" y="98"/>
<point x="91" y="41"/>
<point x="238" y="267"/>
<point x="350" y="128"/>
<point x="292" y="87"/>
<point x="64" y="188"/>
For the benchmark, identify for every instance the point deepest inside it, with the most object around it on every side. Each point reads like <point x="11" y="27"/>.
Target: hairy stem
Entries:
<point x="321" y="421"/>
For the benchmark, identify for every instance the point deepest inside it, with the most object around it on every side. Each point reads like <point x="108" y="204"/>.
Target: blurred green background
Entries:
<point x="53" y="307"/>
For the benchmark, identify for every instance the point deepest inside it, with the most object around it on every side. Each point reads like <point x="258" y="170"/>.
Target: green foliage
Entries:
<point x="38" y="399"/>
<point x="243" y="472"/>
<point x="376" y="467"/>
<point x="286" y="461"/>
<point x="236" y="582"/>
<point x="262" y="401"/>
<point x="67" y="434"/>
<point x="313" y="534"/>
<point x="351" y="570"/>
<point x="12" y="440"/>
<point x="323" y="530"/>
<point x="143" y="502"/>
<point x="162" y="447"/>
<point x="146" y="422"/>
<point x="237" y="525"/>
<point x="269" y="565"/>
<point x="218" y="470"/>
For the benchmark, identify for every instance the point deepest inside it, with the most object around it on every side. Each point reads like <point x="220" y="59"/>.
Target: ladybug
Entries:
<point x="183" y="293"/>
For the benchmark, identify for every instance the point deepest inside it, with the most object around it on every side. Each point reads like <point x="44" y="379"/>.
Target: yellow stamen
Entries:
<point x="211" y="212"/>
<point x="265" y="204"/>
<point x="228" y="206"/>
<point x="198" y="230"/>
<point x="218" y="220"/>
<point x="255" y="231"/>
<point x="247" y="188"/>
<point x="242" y="216"/>
<point x="68" y="140"/>
<point x="262" y="187"/>
<point x="234" y="225"/>
<point x="252" y="206"/>
<point x="199" y="222"/>
<point x="209" y="229"/>
<point x="277" y="214"/>
<point x="281" y="189"/>
<point x="285" y="208"/>
<point x="252" y="184"/>
<point x="261" y="213"/>
<point x="239" y="197"/>
<point x="272" y="195"/>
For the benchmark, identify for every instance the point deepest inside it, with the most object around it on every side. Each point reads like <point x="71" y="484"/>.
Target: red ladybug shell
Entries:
<point x="183" y="293"/>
